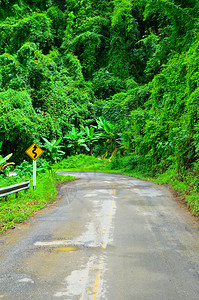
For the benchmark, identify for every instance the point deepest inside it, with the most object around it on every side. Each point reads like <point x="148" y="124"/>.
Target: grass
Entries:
<point x="186" y="185"/>
<point x="14" y="211"/>
<point x="84" y="163"/>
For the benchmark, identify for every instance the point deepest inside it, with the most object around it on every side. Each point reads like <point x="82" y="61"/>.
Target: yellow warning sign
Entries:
<point x="34" y="151"/>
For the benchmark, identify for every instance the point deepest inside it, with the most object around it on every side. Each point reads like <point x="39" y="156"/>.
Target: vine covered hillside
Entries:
<point x="117" y="79"/>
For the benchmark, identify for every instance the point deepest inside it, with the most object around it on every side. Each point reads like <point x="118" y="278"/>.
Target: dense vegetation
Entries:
<point x="117" y="79"/>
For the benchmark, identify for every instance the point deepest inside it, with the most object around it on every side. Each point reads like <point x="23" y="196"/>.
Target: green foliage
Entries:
<point x="90" y="43"/>
<point x="124" y="36"/>
<point x="83" y="162"/>
<point x="125" y="142"/>
<point x="124" y="163"/>
<point x="26" y="52"/>
<point x="10" y="73"/>
<point x="18" y="120"/>
<point x="35" y="28"/>
<point x="108" y="134"/>
<point x="76" y="141"/>
<point x="105" y="84"/>
<point x="25" y="169"/>
<point x="91" y="137"/>
<point x="113" y="77"/>
<point x="73" y="66"/>
<point x="52" y="150"/>
<point x="58" y="22"/>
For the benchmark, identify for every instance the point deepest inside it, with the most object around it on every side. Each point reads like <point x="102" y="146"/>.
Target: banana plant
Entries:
<point x="108" y="133"/>
<point x="125" y="142"/>
<point x="108" y="129"/>
<point x="75" y="140"/>
<point x="90" y="137"/>
<point x="53" y="150"/>
<point x="4" y="163"/>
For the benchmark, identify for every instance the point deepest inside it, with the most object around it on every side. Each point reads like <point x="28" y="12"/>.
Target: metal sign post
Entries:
<point x="34" y="151"/>
<point x="34" y="174"/>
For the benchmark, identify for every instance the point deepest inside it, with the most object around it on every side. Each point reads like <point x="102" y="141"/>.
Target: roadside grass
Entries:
<point x="186" y="186"/>
<point x="14" y="210"/>
<point x="83" y="163"/>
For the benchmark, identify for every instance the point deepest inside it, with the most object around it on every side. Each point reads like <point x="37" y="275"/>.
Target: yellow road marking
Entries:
<point x="97" y="279"/>
<point x="66" y="249"/>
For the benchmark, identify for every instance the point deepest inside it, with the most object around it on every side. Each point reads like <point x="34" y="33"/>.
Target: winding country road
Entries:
<point x="106" y="237"/>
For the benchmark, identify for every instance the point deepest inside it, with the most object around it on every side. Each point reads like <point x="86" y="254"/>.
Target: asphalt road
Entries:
<point x="106" y="237"/>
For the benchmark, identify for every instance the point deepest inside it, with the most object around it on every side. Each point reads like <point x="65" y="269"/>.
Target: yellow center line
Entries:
<point x="97" y="279"/>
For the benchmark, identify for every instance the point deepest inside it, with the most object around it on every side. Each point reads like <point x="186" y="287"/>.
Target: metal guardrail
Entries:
<point x="5" y="191"/>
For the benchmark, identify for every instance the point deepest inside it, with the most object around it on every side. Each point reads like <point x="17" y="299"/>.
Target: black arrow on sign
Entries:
<point x="33" y="151"/>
